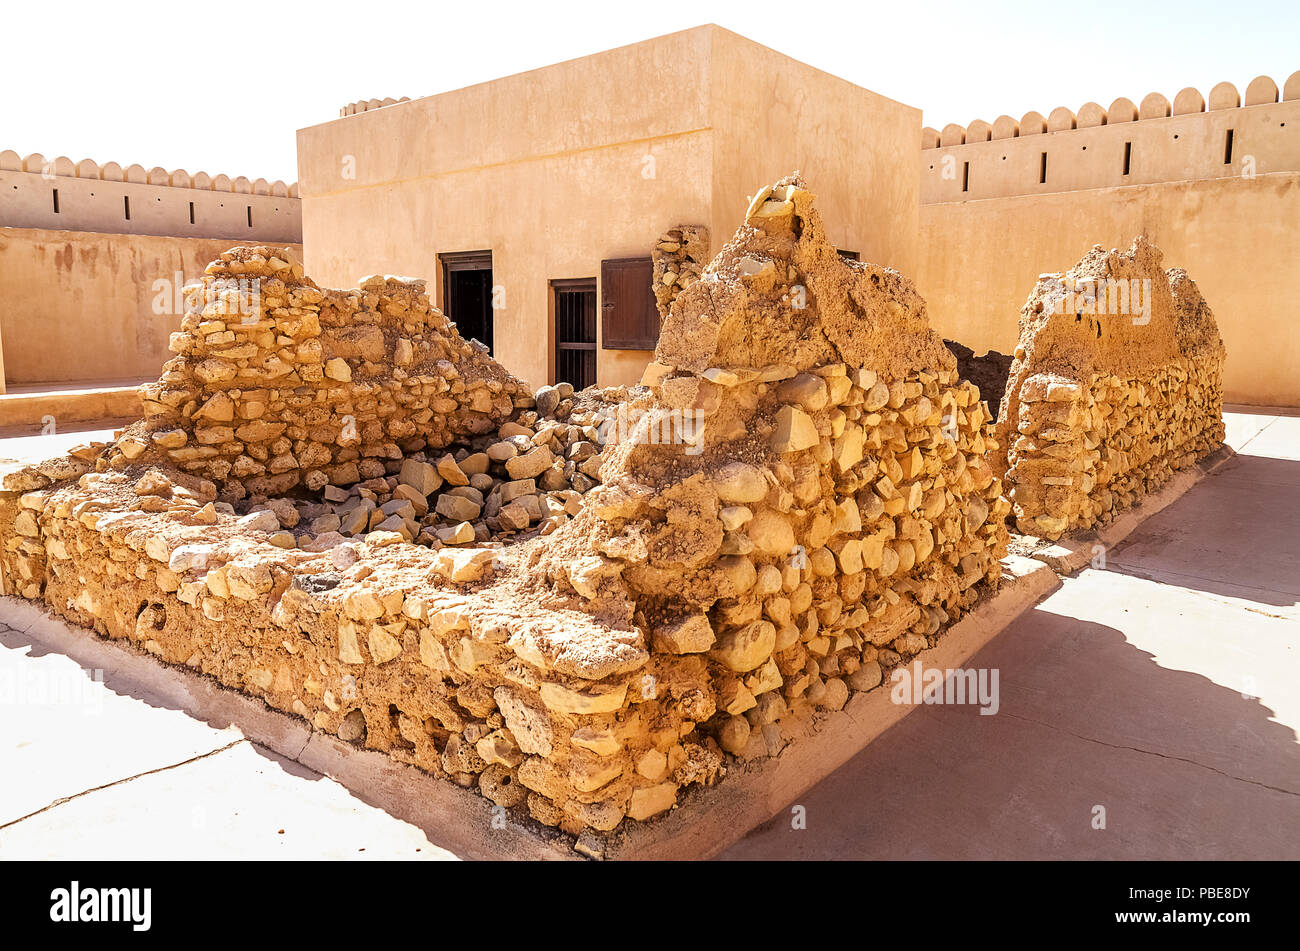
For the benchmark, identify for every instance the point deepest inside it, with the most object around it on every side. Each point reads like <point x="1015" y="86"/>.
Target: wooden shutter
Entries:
<point x="629" y="316"/>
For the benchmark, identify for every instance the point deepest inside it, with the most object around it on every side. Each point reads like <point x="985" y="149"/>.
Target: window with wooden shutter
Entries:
<point x="629" y="318"/>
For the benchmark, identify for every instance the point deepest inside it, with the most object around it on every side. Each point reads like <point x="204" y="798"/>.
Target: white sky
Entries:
<point x="222" y="87"/>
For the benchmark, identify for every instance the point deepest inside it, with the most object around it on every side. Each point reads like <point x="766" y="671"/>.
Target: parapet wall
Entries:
<point x="1236" y="235"/>
<point x="798" y="503"/>
<point x="85" y="196"/>
<point x="1125" y="144"/>
<point x="1116" y="384"/>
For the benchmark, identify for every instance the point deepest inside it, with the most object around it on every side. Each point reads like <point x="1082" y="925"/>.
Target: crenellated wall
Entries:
<point x="366" y="105"/>
<point x="92" y="258"/>
<point x="1126" y="144"/>
<point x="59" y="194"/>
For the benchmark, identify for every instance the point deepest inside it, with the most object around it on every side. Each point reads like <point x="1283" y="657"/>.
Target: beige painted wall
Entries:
<point x="1237" y="238"/>
<point x="551" y="170"/>
<point x="78" y="306"/>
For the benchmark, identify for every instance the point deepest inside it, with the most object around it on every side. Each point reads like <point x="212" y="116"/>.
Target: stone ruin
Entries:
<point x="1115" y="385"/>
<point x="586" y="625"/>
<point x="583" y="603"/>
<point x="360" y="396"/>
<point x="580" y="604"/>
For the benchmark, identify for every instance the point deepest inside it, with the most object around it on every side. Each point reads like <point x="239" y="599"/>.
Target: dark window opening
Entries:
<point x="126" y="206"/>
<point x="1128" y="156"/>
<point x="1042" y="170"/>
<point x="629" y="317"/>
<point x="989" y="372"/>
<point x="250" y="216"/>
<point x="575" y="332"/>
<point x="1227" y="150"/>
<point x="467" y="293"/>
<point x="848" y="255"/>
<point x="965" y="176"/>
<point x="191" y="212"/>
<point x="56" y="201"/>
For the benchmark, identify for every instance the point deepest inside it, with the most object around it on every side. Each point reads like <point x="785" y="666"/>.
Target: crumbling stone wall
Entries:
<point x="679" y="258"/>
<point x="278" y="382"/>
<point x="797" y="502"/>
<point x="813" y="525"/>
<point x="1116" y="383"/>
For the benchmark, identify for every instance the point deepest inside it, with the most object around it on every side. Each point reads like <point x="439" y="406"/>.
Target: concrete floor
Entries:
<point x="1157" y="694"/>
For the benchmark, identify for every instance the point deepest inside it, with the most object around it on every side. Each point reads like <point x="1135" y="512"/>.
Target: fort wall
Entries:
<point x="59" y="194"/>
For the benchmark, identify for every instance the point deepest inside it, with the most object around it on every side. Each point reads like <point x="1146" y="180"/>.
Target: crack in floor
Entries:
<point x="1257" y="434"/>
<point x="1136" y="749"/>
<point x="118" y="782"/>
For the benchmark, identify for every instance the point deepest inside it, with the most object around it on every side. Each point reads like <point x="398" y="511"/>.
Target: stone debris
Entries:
<point x="1102" y="407"/>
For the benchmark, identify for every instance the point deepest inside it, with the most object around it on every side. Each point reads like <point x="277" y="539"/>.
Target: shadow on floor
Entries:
<point x="1233" y="534"/>
<point x="1183" y="768"/>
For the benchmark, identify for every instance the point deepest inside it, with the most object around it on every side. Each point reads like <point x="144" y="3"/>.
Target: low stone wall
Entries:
<point x="1116" y="384"/>
<point x="796" y="503"/>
